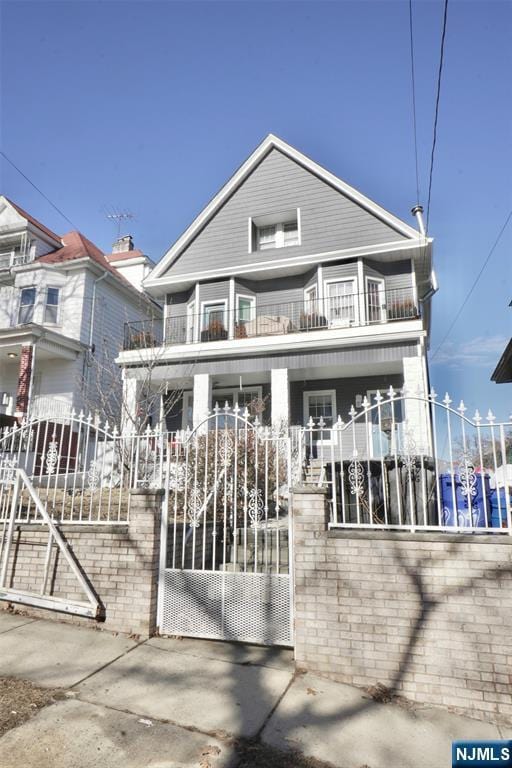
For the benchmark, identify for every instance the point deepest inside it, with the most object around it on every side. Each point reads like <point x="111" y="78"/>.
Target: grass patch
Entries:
<point x="20" y="700"/>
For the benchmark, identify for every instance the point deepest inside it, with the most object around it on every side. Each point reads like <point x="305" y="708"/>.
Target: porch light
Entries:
<point x="12" y="354"/>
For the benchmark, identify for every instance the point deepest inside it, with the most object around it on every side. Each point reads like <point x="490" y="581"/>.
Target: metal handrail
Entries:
<point x="353" y="310"/>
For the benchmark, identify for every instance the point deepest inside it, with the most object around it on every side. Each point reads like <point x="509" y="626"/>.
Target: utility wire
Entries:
<point x="37" y="189"/>
<point x="413" y="81"/>
<point x="438" y="97"/>
<point x="468" y="295"/>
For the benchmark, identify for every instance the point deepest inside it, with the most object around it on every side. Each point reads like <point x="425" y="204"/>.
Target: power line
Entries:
<point x="37" y="189"/>
<point x="413" y="81"/>
<point x="438" y="97"/>
<point x="461" y="308"/>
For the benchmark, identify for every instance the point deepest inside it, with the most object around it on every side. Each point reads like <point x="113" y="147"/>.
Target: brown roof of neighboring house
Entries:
<point x="77" y="246"/>
<point x="34" y="221"/>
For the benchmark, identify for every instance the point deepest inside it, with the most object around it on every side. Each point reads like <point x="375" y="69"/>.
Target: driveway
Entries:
<point x="164" y="703"/>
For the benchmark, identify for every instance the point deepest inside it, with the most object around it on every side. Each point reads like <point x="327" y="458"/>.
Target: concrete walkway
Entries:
<point x="165" y="703"/>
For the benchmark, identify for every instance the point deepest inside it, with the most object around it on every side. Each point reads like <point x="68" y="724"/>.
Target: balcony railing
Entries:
<point x="333" y="312"/>
<point x="10" y="259"/>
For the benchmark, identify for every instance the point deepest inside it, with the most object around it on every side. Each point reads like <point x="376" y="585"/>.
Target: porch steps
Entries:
<point x="316" y="473"/>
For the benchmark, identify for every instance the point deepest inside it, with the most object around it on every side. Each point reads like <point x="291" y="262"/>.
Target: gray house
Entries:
<point x="291" y="290"/>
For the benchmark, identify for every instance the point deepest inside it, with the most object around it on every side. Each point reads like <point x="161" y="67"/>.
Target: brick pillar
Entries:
<point x="310" y="516"/>
<point x="24" y="378"/>
<point x="145" y="517"/>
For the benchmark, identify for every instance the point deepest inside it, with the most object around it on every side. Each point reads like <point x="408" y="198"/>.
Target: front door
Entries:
<point x="320" y="415"/>
<point x="375" y="300"/>
<point x="341" y="303"/>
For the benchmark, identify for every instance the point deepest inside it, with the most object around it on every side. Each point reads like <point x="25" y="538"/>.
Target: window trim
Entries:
<point x="353" y="279"/>
<point x="211" y="302"/>
<point x="305" y="411"/>
<point x="33" y="305"/>
<point x="307" y="301"/>
<point x="235" y="391"/>
<point x="277" y="220"/>
<point x="58" y="305"/>
<point x="191" y="327"/>
<point x="252" y="299"/>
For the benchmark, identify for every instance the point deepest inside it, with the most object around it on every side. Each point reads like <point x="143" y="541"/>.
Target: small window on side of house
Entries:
<point x="274" y="231"/>
<point x="266" y="237"/>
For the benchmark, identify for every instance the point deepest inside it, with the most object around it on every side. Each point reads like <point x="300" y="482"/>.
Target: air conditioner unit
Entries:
<point x="6" y="396"/>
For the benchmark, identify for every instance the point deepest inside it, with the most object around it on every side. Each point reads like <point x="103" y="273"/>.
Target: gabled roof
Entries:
<point x="266" y="146"/>
<point x="77" y="246"/>
<point x="33" y="221"/>
<point x="503" y="372"/>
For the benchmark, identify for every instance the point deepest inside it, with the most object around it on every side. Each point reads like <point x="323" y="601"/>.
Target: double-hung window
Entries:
<point x="27" y="304"/>
<point x="275" y="231"/>
<point x="320" y="410"/>
<point x="51" y="307"/>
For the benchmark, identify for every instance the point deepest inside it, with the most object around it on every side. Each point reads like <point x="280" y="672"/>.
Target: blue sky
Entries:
<point x="150" y="106"/>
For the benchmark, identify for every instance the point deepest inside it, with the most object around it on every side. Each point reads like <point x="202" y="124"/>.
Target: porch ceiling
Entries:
<point x="49" y="344"/>
<point x="247" y="379"/>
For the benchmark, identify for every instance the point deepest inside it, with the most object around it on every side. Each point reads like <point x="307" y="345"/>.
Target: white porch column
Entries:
<point x="131" y="393"/>
<point x="417" y="411"/>
<point x="279" y="398"/>
<point x="202" y="397"/>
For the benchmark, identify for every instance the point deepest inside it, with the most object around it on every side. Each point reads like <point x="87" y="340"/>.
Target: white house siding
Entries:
<point x="59" y="380"/>
<point x="8" y="305"/>
<point x="8" y="384"/>
<point x="40" y="248"/>
<point x="71" y="286"/>
<point x="113" y="308"/>
<point x="329" y="220"/>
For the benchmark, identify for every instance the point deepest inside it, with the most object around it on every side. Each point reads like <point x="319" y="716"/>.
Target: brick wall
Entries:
<point x="25" y="374"/>
<point x="428" y="615"/>
<point x="120" y="562"/>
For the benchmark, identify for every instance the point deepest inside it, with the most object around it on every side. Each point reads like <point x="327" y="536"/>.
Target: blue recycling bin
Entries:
<point x="498" y="501"/>
<point x="462" y="516"/>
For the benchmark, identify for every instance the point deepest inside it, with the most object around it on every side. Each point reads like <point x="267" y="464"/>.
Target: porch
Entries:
<point x="341" y="309"/>
<point x="37" y="371"/>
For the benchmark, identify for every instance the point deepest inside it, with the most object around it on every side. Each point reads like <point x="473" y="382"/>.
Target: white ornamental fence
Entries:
<point x="410" y="462"/>
<point x="81" y="469"/>
<point x="398" y="461"/>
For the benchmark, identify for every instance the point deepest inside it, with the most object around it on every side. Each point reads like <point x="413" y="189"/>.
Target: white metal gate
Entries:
<point x="226" y="537"/>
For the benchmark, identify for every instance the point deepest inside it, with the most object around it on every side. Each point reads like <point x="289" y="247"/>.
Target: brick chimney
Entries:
<point x="123" y="244"/>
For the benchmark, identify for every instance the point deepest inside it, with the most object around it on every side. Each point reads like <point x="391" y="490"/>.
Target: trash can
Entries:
<point x="498" y="500"/>
<point x="463" y="516"/>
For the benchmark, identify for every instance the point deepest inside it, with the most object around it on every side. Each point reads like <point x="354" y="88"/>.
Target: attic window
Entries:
<point x="274" y="231"/>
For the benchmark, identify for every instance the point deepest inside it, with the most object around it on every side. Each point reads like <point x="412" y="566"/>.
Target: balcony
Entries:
<point x="10" y="259"/>
<point x="347" y="311"/>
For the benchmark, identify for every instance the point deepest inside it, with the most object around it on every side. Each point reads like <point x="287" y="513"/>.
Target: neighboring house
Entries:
<point x="63" y="305"/>
<point x="503" y="371"/>
<point x="293" y="289"/>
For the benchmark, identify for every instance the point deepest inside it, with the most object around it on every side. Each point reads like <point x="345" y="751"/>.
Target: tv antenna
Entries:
<point x="118" y="217"/>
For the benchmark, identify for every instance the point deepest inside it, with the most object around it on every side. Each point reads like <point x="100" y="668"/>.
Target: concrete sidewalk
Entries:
<point x="165" y="703"/>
